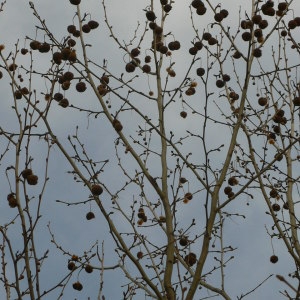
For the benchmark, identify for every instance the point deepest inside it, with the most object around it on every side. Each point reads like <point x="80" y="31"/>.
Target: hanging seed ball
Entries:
<point x="104" y="79"/>
<point x="176" y="45"/>
<point x="66" y="85"/>
<point x="72" y="57"/>
<point x="12" y="201"/>
<point x="158" y="30"/>
<point x="75" y="2"/>
<point x="296" y="101"/>
<point x="152" y="25"/>
<point x="263" y="24"/>
<point x="58" y="96"/>
<point x="212" y="41"/>
<point x="146" y="68"/>
<point x="201" y="10"/>
<point x="34" y="45"/>
<point x="273" y="193"/>
<point x="117" y="125"/>
<point x="93" y="24"/>
<point x="24" y="51"/>
<point x="226" y="77"/>
<point x="258" y="33"/>
<point x="190" y="91"/>
<point x="188" y="196"/>
<point x="68" y="76"/>
<point x="167" y="8"/>
<point x="218" y="17"/>
<point x="12" y="67"/>
<point x="276" y="129"/>
<point x="44" y="48"/>
<point x="163" y="2"/>
<point x="64" y="103"/>
<point x="285" y="205"/>
<point x="183" y="241"/>
<point x="182" y="180"/>
<point x="197" y="3"/>
<point x="276" y="207"/>
<point x="147" y="59"/>
<point x="57" y="57"/>
<point x="237" y="55"/>
<point x="90" y="215"/>
<point x="96" y="189"/>
<point x="282" y="6"/>
<point x="246" y="36"/>
<point x="86" y="28"/>
<point x="263" y="101"/>
<point x="200" y="71"/>
<point x="220" y="83"/>
<point x="193" y="50"/>
<point x="190" y="259"/>
<point x="24" y="91"/>
<point x="89" y="269"/>
<point x="1" y="74"/>
<point x="80" y="87"/>
<point x="256" y="19"/>
<point x="71" y="29"/>
<point x="32" y="179"/>
<point x="76" y="33"/>
<point x="26" y="172"/>
<point x="224" y="13"/>
<point x="257" y="52"/>
<point x="18" y="94"/>
<point x="183" y="114"/>
<point x="140" y="255"/>
<point x="71" y="42"/>
<point x="198" y="45"/>
<point x="227" y="190"/>
<point x="150" y="15"/>
<point x="71" y="266"/>
<point x="65" y="53"/>
<point x="171" y="46"/>
<point x="233" y="181"/>
<point x="163" y="49"/>
<point x="130" y="67"/>
<point x="274" y="259"/>
<point x="135" y="52"/>
<point x="77" y="285"/>
<point x="206" y="36"/>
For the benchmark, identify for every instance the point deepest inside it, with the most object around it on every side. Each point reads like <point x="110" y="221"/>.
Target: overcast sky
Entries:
<point x="69" y="225"/>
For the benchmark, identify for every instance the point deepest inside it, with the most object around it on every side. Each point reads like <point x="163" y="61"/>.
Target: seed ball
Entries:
<point x="93" y="24"/>
<point x="258" y="32"/>
<point x="296" y="101"/>
<point x="200" y="71"/>
<point x="226" y="77"/>
<point x="282" y="6"/>
<point x="167" y="8"/>
<point x="285" y="205"/>
<point x="206" y="36"/>
<point x="26" y="172"/>
<point x="256" y="19"/>
<point x="80" y="87"/>
<point x="220" y="83"/>
<point x="163" y="49"/>
<point x="89" y="269"/>
<point x="76" y="33"/>
<point x="188" y="196"/>
<point x="71" y="29"/>
<point x="182" y="180"/>
<point x="212" y="41"/>
<point x="24" y="51"/>
<point x="63" y="103"/>
<point x="152" y="25"/>
<point x="201" y="10"/>
<point x="193" y="50"/>
<point x="274" y="259"/>
<point x="68" y="76"/>
<point x="96" y="189"/>
<point x="135" y="52"/>
<point x="12" y="67"/>
<point x="104" y="79"/>
<point x="190" y="259"/>
<point x="257" y="52"/>
<point x="66" y="85"/>
<point x="146" y="69"/>
<point x="158" y="30"/>
<point x="273" y="193"/>
<point x="218" y="17"/>
<point x="57" y="57"/>
<point x="297" y="20"/>
<point x="140" y="255"/>
<point x="224" y="13"/>
<point x="77" y="285"/>
<point x="197" y="3"/>
<point x="176" y="45"/>
<point x="90" y="215"/>
<point x="190" y="91"/>
<point x="71" y="266"/>
<point x="183" y="241"/>
<point x="246" y="36"/>
<point x="276" y="207"/>
<point x="227" y="190"/>
<point x="150" y="15"/>
<point x="263" y="24"/>
<point x="147" y="59"/>
<point x="58" y="96"/>
<point x="183" y="114"/>
<point x="263" y="101"/>
<point x="32" y="179"/>
<point x="233" y="181"/>
<point x="198" y="45"/>
<point x="34" y="45"/>
<point x="12" y="201"/>
<point x="72" y="57"/>
<point x="86" y="28"/>
<point x="163" y="2"/>
<point x="292" y="24"/>
<point x="75" y="2"/>
<point x="18" y="94"/>
<point x="130" y="67"/>
<point x="237" y="55"/>
<point x="65" y="53"/>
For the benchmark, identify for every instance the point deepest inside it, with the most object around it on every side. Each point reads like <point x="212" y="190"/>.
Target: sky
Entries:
<point x="72" y="231"/>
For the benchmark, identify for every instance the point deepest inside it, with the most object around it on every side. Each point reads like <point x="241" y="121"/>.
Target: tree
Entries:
<point x="174" y="134"/>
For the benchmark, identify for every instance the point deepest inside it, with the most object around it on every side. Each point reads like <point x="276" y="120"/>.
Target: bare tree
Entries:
<point x="171" y="138"/>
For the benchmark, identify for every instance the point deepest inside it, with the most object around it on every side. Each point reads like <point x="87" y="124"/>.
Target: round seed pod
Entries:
<point x="44" y="48"/>
<point x="276" y="207"/>
<point x="274" y="259"/>
<point x="167" y="8"/>
<point x="64" y="103"/>
<point x="200" y="71"/>
<point x="150" y="15"/>
<point x="75" y="2"/>
<point x="26" y="172"/>
<point x="201" y="10"/>
<point x="146" y="68"/>
<point x="96" y="189"/>
<point x="72" y="57"/>
<point x="34" y="45"/>
<point x="140" y="255"/>
<point x="77" y="285"/>
<point x="80" y="86"/>
<point x="183" y="241"/>
<point x="88" y="268"/>
<point x="224" y="13"/>
<point x="32" y="179"/>
<point x="220" y="83"/>
<point x="71" y="266"/>
<point x="197" y="3"/>
<point x="183" y="114"/>
<point x="90" y="215"/>
<point x="93" y="24"/>
<point x="190" y="259"/>
<point x="58" y="96"/>
<point x="71" y="29"/>
<point x="130" y="67"/>
<point x="246" y="36"/>
<point x="257" y="52"/>
<point x="57" y="57"/>
<point x="86" y="28"/>
<point x="263" y="101"/>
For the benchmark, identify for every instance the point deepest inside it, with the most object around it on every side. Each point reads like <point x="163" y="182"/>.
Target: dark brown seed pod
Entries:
<point x="76" y="33"/>
<point x="183" y="114"/>
<point x="224" y="13"/>
<point x="188" y="196"/>
<point x="212" y="41"/>
<point x="274" y="259"/>
<point x="104" y="79"/>
<point x="32" y="179"/>
<point x="12" y="201"/>
<point x="193" y="50"/>
<point x="183" y="241"/>
<point x="12" y="67"/>
<point x="263" y="24"/>
<point x="65" y="53"/>
<point x="256" y="19"/>
<point x="152" y="25"/>
<point x="296" y="101"/>
<point x="63" y="103"/>
<point x="57" y="57"/>
<point x="93" y="24"/>
<point x="198" y="45"/>
<point x="71" y="266"/>
<point x="237" y="55"/>
<point x="44" y="48"/>
<point x="227" y="190"/>
<point x="163" y="2"/>
<point x="58" y="96"/>
<point x="72" y="57"/>
<point x="220" y="83"/>
<point x="90" y="215"/>
<point x="66" y="85"/>
<point x="282" y="6"/>
<point x="246" y="36"/>
<point x="96" y="189"/>
<point x="197" y="3"/>
<point x="146" y="68"/>
<point x="68" y="76"/>
<point x="130" y="67"/>
<point x="182" y="180"/>
<point x="75" y="2"/>
<point x="276" y="207"/>
<point x="86" y="28"/>
<point x="24" y="51"/>
<point x="201" y="10"/>
<point x="88" y="268"/>
<point x="163" y="49"/>
<point x="150" y="15"/>
<point x="167" y="8"/>
<point x="24" y="91"/>
<point x="233" y="181"/>
<point x="218" y="17"/>
<point x="71" y="29"/>
<point x="147" y="59"/>
<point x="18" y="94"/>
<point x="206" y="36"/>
<point x="257" y="52"/>
<point x="26" y="172"/>
<point x="190" y="259"/>
<point x="77" y="285"/>
<point x="117" y="125"/>
<point x="273" y="193"/>
<point x="226" y="77"/>
<point x="135" y="52"/>
<point x="34" y="45"/>
<point x="263" y="101"/>
<point x="140" y="255"/>
<point x="80" y="86"/>
<point x="200" y="71"/>
<point x="258" y="32"/>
